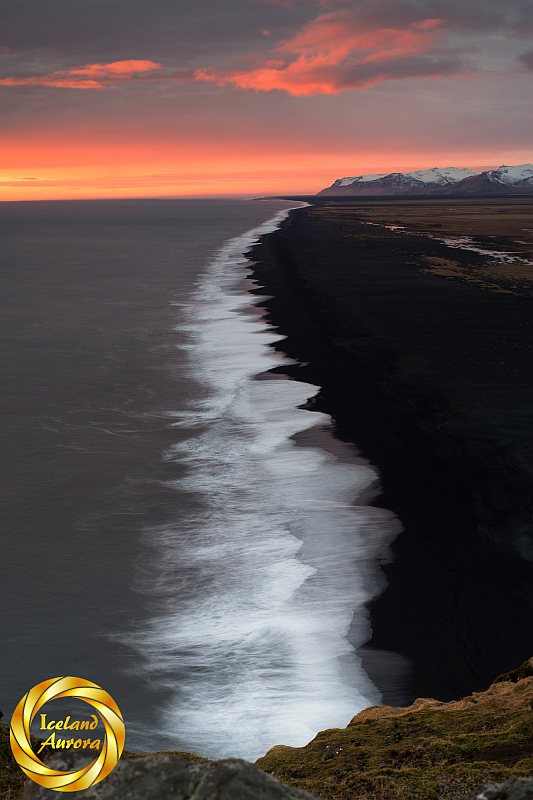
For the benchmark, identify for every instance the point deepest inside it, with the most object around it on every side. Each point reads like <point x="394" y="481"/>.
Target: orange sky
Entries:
<point x="279" y="99"/>
<point x="82" y="168"/>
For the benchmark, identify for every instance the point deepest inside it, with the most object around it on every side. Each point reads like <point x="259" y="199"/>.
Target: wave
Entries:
<point x="272" y="560"/>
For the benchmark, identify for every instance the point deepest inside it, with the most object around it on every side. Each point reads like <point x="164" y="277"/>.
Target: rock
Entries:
<point x="163" y="777"/>
<point x="515" y="789"/>
<point x="525" y="670"/>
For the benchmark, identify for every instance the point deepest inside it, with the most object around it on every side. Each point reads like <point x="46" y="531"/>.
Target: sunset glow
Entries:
<point x="282" y="101"/>
<point x="52" y="170"/>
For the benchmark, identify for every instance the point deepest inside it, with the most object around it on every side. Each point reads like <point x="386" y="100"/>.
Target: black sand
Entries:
<point x="432" y="379"/>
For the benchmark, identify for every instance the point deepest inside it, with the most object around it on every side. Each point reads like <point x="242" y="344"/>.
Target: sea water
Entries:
<point x="176" y="544"/>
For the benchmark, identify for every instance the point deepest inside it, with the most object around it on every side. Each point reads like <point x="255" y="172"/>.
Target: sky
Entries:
<point x="144" y="98"/>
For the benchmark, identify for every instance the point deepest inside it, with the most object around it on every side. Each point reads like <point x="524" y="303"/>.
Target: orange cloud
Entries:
<point x="334" y="52"/>
<point x="90" y="76"/>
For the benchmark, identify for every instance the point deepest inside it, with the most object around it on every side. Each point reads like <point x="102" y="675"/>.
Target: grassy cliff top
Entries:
<point x="427" y="751"/>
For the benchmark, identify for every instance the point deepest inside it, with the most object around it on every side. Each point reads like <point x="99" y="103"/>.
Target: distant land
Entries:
<point x="437" y="180"/>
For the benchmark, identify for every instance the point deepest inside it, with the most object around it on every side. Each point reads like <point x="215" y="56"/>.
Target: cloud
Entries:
<point x="297" y="47"/>
<point x="89" y="76"/>
<point x="335" y="52"/>
<point x="101" y="30"/>
<point x="527" y="59"/>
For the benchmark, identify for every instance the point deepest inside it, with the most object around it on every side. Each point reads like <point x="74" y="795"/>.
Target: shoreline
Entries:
<point x="265" y="637"/>
<point x="388" y="344"/>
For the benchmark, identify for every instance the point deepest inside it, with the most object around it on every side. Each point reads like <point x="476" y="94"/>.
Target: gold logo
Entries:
<point x="78" y="732"/>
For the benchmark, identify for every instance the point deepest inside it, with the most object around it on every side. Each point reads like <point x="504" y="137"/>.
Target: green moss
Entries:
<point x="525" y="764"/>
<point x="427" y="752"/>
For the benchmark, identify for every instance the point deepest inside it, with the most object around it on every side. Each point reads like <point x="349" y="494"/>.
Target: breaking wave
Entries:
<point x="275" y="556"/>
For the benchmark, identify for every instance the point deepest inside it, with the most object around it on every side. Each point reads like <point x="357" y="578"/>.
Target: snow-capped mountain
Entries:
<point x="446" y="180"/>
<point x="437" y="175"/>
<point x="512" y="175"/>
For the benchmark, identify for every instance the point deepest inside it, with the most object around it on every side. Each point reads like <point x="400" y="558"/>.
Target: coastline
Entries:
<point x="410" y="378"/>
<point x="258" y="618"/>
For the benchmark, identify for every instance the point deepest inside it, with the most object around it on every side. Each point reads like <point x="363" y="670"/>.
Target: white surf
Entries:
<point x="259" y="586"/>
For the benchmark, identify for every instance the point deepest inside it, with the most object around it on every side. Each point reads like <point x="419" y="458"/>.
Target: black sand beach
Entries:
<point x="430" y="375"/>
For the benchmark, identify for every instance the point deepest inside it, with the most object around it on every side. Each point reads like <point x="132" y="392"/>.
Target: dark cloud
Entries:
<point x="180" y="30"/>
<point x="527" y="59"/>
<point x="515" y="16"/>
<point x="399" y="69"/>
<point x="473" y="15"/>
<point x="187" y="32"/>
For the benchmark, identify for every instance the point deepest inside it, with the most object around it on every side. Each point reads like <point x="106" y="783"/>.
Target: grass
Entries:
<point x="428" y="751"/>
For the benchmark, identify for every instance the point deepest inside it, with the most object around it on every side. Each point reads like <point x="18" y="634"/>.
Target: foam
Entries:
<point x="255" y="590"/>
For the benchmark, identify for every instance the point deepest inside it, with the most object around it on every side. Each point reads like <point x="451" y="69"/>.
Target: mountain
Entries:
<point x="504" y="180"/>
<point x="446" y="180"/>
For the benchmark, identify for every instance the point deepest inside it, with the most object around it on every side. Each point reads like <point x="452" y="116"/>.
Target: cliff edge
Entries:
<point x="427" y="751"/>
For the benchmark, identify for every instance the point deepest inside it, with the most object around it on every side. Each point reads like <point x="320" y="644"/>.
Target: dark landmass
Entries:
<point x="317" y="199"/>
<point x="468" y="188"/>
<point x="426" y="366"/>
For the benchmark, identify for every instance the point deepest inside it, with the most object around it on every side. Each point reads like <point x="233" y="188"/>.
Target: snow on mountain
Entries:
<point x="440" y="176"/>
<point x="512" y="175"/>
<point x="360" y="179"/>
<point x="437" y="180"/>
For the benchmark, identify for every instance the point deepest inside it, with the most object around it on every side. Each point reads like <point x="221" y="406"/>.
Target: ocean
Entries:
<point x="178" y="526"/>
